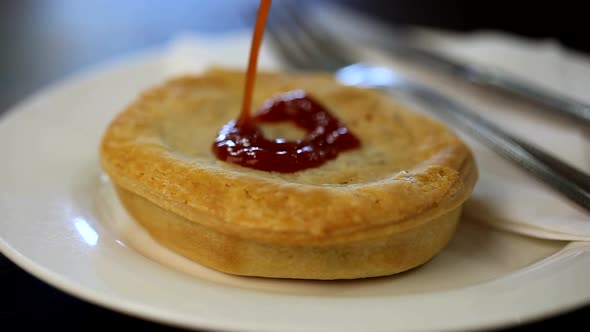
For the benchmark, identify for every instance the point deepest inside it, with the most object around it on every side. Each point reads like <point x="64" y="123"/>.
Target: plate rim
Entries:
<point x="146" y="312"/>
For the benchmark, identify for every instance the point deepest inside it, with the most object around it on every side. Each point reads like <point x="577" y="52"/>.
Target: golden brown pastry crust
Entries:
<point x="410" y="169"/>
<point x="379" y="256"/>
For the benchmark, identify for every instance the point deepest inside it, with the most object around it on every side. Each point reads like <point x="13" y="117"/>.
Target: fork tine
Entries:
<point x="288" y="51"/>
<point x="298" y="44"/>
<point x="321" y="44"/>
<point x="289" y="39"/>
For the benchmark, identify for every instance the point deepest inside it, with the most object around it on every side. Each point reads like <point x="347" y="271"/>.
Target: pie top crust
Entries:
<point x="408" y="170"/>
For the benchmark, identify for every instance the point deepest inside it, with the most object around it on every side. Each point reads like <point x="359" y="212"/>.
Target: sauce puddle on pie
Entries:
<point x="383" y="206"/>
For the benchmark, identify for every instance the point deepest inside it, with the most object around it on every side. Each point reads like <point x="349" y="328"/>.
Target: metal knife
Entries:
<point x="489" y="77"/>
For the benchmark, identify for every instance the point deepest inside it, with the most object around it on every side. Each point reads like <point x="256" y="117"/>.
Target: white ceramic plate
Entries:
<point x="60" y="221"/>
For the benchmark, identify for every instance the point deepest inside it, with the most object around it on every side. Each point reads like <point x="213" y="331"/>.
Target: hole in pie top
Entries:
<point x="242" y="142"/>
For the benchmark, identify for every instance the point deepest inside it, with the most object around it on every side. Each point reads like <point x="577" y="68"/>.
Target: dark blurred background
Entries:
<point x="559" y="20"/>
<point x="45" y="40"/>
<point x="42" y="40"/>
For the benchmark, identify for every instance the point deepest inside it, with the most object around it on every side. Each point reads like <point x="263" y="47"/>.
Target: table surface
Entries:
<point x="43" y="41"/>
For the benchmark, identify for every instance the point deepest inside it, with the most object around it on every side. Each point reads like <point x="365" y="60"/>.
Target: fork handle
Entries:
<point x="502" y="81"/>
<point x="554" y="172"/>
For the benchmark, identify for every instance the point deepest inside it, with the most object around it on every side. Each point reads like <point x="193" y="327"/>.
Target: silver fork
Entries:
<point x="306" y="48"/>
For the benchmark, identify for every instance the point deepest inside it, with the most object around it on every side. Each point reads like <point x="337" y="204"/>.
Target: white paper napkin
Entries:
<point x="505" y="197"/>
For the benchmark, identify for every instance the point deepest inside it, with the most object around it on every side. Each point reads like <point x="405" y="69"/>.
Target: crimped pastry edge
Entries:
<point x="455" y="198"/>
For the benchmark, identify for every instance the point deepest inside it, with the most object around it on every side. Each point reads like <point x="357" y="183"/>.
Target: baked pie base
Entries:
<point x="379" y="256"/>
